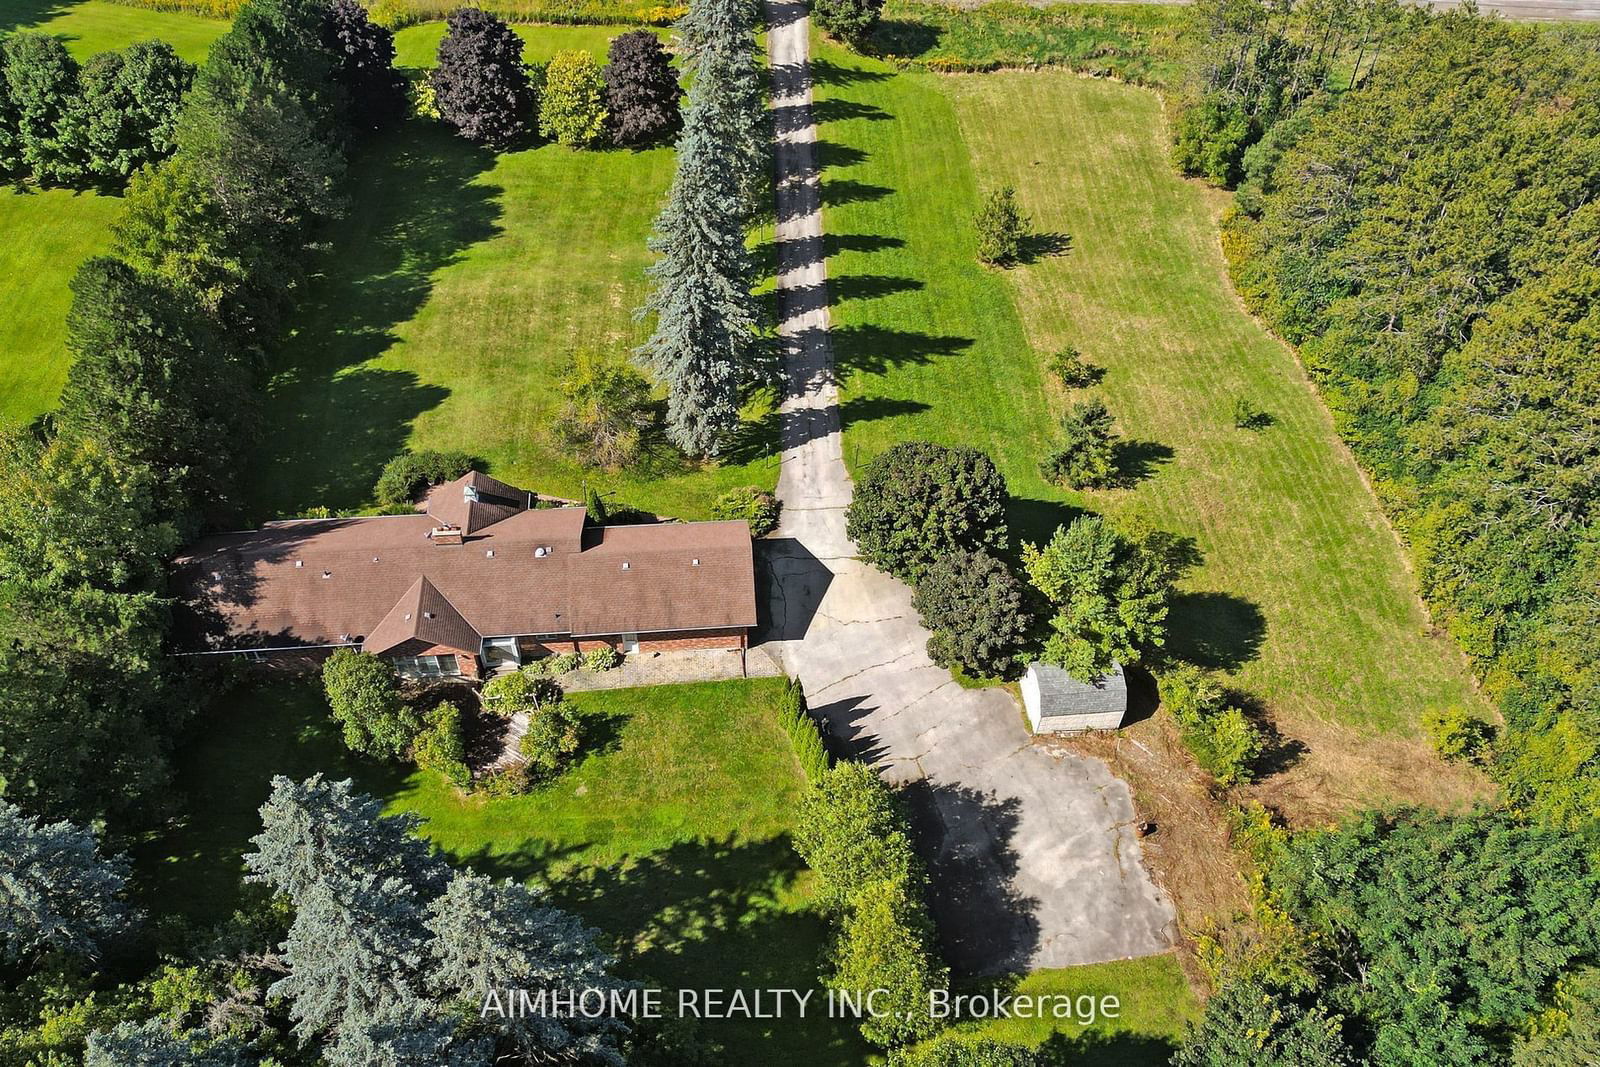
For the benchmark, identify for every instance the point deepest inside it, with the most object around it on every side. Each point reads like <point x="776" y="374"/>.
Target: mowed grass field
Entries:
<point x="670" y="837"/>
<point x="1303" y="599"/>
<point x="450" y="302"/>
<point x="46" y="234"/>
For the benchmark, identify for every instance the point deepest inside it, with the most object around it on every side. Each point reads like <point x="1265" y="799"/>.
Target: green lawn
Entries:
<point x="449" y="304"/>
<point x="670" y="836"/>
<point x="1153" y="1002"/>
<point x="417" y="46"/>
<point x="45" y="235"/>
<point x="1304" y="597"/>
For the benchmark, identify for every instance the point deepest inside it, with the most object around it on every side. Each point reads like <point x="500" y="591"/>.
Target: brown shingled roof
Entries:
<point x="342" y="581"/>
<point x="475" y="501"/>
<point x="423" y="614"/>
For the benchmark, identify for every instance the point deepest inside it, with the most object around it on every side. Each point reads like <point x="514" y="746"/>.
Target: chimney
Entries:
<point x="445" y="535"/>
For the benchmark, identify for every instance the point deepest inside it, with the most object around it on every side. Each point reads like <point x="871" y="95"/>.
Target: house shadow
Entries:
<point x="793" y="583"/>
<point x="986" y="925"/>
<point x="333" y="417"/>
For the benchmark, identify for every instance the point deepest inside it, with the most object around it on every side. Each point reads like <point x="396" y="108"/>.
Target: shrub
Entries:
<point x="555" y="734"/>
<point x="804" y="736"/>
<point x="424" y="101"/>
<point x="606" y="411"/>
<point x="365" y="698"/>
<point x="850" y="830"/>
<point x="126" y="113"/>
<point x="849" y="20"/>
<point x="507" y="782"/>
<point x="748" y="502"/>
<point x="41" y="83"/>
<point x="566" y="661"/>
<point x="1072" y="370"/>
<point x="642" y="91"/>
<point x="572" y="108"/>
<point x="977" y="613"/>
<point x="602" y="659"/>
<point x="440" y="747"/>
<point x="885" y="943"/>
<point x="1457" y="735"/>
<point x="1001" y="227"/>
<point x="1085" y="456"/>
<point x="594" y="506"/>
<point x="1222" y="740"/>
<point x="1246" y="416"/>
<point x="508" y="694"/>
<point x="481" y="86"/>
<point x="406" y="476"/>
<point x="1211" y="140"/>
<point x="363" y="54"/>
<point x="918" y="501"/>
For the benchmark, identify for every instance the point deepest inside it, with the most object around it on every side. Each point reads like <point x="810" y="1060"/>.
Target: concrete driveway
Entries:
<point x="1033" y="853"/>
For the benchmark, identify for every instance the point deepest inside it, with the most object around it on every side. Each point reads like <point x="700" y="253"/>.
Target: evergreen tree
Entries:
<point x="1085" y="455"/>
<point x="41" y="81"/>
<point x="316" y="830"/>
<point x="153" y="1044"/>
<point x="10" y="141"/>
<point x="153" y="384"/>
<point x="56" y="890"/>
<point x="718" y="48"/>
<point x="499" y="936"/>
<point x="126" y="114"/>
<point x="918" y="502"/>
<point x="642" y="91"/>
<point x="705" y="341"/>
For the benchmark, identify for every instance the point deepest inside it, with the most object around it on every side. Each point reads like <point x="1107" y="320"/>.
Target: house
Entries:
<point x="477" y="580"/>
<point x="1056" y="702"/>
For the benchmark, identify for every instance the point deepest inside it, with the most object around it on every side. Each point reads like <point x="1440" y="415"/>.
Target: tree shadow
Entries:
<point x="838" y="109"/>
<point x="1218" y="631"/>
<point x="834" y="154"/>
<point x="1037" y="246"/>
<point x="332" y="420"/>
<point x="904" y="37"/>
<point x="985" y="924"/>
<point x="25" y="14"/>
<point x="868" y="408"/>
<point x="826" y="72"/>
<point x="1094" y="1048"/>
<point x="875" y="349"/>
<point x="840" y="191"/>
<point x="1278" y="752"/>
<point x="1034" y="521"/>
<point x="1137" y="460"/>
<point x="871" y="286"/>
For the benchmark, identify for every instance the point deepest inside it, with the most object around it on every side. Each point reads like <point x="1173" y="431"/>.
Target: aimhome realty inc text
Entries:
<point x="636" y="1002"/>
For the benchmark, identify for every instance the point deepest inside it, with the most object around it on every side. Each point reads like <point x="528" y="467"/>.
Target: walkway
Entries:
<point x="1033" y="852"/>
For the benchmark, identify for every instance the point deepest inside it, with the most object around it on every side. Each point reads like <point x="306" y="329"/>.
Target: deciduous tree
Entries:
<point x="976" y="610"/>
<point x="365" y="698"/>
<point x="363" y="54"/>
<point x="642" y="91"/>
<point x="572" y="103"/>
<point x="481" y="86"/>
<point x="918" y="501"/>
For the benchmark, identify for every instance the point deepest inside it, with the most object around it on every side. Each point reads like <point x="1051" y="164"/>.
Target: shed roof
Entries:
<point x="1060" y="694"/>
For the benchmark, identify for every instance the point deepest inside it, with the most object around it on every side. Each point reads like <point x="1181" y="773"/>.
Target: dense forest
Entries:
<point x="1416" y="213"/>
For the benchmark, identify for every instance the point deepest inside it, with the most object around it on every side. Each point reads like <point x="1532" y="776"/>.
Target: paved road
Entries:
<point x="1034" y="858"/>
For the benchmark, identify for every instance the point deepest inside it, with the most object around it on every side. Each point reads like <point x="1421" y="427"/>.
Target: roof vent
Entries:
<point x="327" y="574"/>
<point x="694" y="563"/>
<point x="541" y="552"/>
<point x="374" y="559"/>
<point x="299" y="563"/>
<point x="627" y="566"/>
<point x="427" y="614"/>
<point x="489" y="553"/>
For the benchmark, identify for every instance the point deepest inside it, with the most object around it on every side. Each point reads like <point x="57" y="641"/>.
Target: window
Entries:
<point x="427" y="666"/>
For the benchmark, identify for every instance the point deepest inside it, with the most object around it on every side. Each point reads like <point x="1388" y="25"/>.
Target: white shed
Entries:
<point x="1058" y="703"/>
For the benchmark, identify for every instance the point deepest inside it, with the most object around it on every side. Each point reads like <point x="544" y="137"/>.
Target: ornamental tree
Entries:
<point x="918" y="501"/>
<point x="56" y="891"/>
<point x="363" y="54"/>
<point x="605" y="413"/>
<point x="365" y="697"/>
<point x="572" y="104"/>
<point x="642" y="91"/>
<point x="1109" y="592"/>
<point x="481" y="85"/>
<point x="976" y="611"/>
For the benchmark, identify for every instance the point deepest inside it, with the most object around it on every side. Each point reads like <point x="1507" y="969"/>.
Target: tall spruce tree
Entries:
<point x="56" y="890"/>
<point x="498" y="936"/>
<point x="153" y="1044"/>
<point x="718" y="49"/>
<point x="705" y="337"/>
